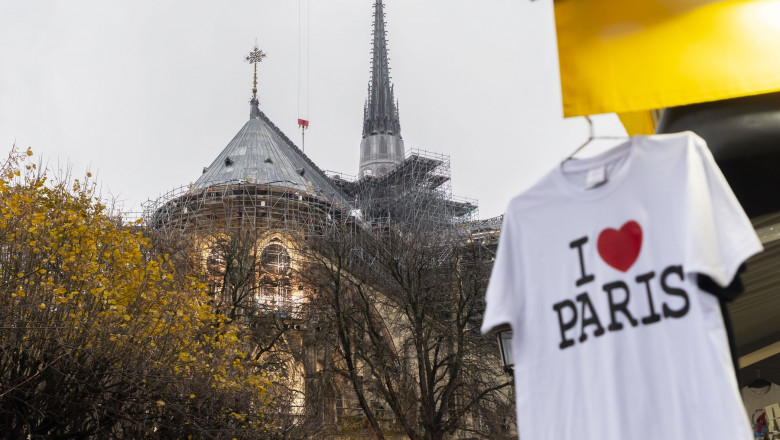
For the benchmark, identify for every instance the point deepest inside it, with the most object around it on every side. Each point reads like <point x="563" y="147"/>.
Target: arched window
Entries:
<point x="275" y="260"/>
<point x="215" y="262"/>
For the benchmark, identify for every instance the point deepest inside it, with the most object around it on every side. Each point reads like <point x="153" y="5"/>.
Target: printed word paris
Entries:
<point x="619" y="295"/>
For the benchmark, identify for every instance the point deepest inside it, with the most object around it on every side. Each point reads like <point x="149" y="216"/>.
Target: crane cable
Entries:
<point x="303" y="119"/>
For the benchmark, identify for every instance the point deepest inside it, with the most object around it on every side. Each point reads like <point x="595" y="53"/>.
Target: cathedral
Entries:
<point x="251" y="211"/>
<point x="261" y="181"/>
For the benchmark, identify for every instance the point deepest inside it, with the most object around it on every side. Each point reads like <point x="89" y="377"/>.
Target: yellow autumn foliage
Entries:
<point x="99" y="334"/>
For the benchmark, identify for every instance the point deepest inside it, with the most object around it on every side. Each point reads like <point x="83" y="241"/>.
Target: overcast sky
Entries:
<point x="147" y="93"/>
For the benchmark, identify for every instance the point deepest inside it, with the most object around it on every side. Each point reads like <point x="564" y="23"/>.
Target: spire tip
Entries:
<point x="254" y="57"/>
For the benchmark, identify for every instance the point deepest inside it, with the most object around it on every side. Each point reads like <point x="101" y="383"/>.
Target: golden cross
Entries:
<point x="255" y="57"/>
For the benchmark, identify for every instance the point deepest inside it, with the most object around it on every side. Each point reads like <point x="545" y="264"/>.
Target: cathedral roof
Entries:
<point x="261" y="154"/>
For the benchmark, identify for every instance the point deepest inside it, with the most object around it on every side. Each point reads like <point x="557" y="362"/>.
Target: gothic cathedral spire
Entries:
<point x="382" y="146"/>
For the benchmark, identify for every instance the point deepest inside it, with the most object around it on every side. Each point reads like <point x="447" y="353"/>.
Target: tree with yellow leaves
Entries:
<point x="100" y="336"/>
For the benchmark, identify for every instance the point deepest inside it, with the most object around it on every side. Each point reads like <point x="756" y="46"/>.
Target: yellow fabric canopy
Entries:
<point x="627" y="56"/>
<point x="638" y="122"/>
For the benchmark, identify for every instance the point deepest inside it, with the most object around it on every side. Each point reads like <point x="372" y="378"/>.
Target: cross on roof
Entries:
<point x="255" y="57"/>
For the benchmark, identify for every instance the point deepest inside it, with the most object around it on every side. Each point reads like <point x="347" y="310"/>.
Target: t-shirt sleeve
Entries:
<point x="501" y="294"/>
<point x="719" y="236"/>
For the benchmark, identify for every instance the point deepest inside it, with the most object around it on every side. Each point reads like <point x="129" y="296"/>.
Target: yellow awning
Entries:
<point x="627" y="56"/>
<point x="641" y="122"/>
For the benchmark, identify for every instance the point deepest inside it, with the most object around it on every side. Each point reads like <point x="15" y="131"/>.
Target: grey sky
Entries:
<point x="147" y="93"/>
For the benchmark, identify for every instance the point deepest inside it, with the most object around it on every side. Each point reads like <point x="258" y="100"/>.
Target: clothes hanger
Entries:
<point x="591" y="137"/>
<point x="759" y="382"/>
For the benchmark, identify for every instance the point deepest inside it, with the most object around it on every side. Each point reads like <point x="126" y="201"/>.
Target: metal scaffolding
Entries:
<point x="240" y="205"/>
<point x="416" y="192"/>
<point x="272" y="221"/>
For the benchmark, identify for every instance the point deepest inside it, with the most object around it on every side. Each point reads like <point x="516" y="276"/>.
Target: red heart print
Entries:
<point x="620" y="248"/>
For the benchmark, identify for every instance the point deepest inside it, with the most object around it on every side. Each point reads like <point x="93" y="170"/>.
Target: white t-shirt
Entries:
<point x="613" y="339"/>
<point x="763" y="410"/>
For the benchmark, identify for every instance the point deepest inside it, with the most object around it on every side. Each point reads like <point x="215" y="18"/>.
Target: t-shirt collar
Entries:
<point x="614" y="178"/>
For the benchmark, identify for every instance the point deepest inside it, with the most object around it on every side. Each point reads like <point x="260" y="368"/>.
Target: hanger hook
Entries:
<point x="591" y="136"/>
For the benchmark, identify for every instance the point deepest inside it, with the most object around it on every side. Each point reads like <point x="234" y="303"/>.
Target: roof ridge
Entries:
<point x="300" y="153"/>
